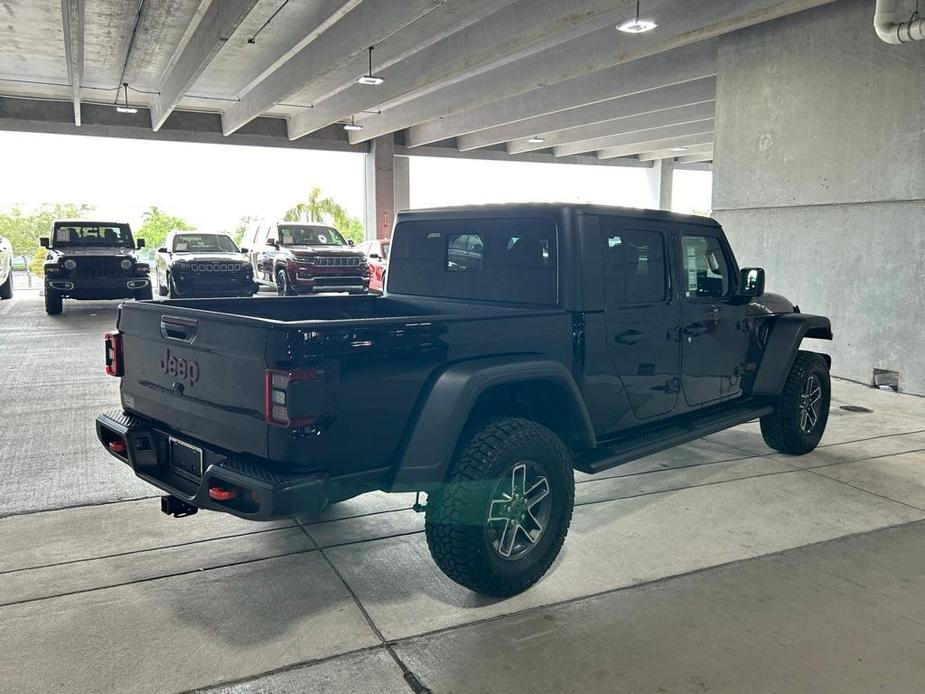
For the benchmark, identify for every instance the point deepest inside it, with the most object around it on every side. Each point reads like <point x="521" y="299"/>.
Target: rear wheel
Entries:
<point x="500" y="519"/>
<point x="53" y="302"/>
<point x="6" y="289"/>
<point x="797" y="425"/>
<point x="282" y="283"/>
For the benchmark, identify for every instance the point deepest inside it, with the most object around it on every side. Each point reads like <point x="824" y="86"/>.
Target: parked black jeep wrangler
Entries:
<point x="514" y="345"/>
<point x="92" y="260"/>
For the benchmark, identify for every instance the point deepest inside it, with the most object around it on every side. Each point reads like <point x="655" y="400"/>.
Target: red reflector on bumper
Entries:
<point x="118" y="446"/>
<point x="220" y="494"/>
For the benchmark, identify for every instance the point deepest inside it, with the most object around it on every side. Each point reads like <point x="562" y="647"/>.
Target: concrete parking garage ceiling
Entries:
<point x="518" y="78"/>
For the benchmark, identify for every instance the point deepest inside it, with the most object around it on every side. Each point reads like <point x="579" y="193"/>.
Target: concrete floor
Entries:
<point x="718" y="566"/>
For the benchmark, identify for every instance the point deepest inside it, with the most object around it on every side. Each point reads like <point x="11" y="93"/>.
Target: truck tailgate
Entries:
<point x="200" y="374"/>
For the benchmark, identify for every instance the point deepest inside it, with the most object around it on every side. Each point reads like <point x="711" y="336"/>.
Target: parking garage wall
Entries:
<point x="819" y="176"/>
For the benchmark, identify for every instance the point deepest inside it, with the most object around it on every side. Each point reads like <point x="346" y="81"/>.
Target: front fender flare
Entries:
<point x="439" y="420"/>
<point x="787" y="333"/>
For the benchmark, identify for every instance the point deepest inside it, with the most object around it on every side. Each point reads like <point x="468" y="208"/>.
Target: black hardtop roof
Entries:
<point x="87" y="222"/>
<point x="550" y="209"/>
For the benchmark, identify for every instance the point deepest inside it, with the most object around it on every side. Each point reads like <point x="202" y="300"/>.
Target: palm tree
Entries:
<point x="323" y="209"/>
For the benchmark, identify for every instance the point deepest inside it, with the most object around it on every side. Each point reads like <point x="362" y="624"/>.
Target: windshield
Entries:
<point x="203" y="243"/>
<point x="310" y="236"/>
<point x="92" y="235"/>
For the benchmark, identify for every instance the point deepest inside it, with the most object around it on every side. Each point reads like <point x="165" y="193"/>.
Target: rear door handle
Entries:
<point x="628" y="337"/>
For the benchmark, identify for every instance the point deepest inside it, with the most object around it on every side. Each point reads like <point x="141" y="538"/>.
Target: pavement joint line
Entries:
<point x="410" y="678"/>
<point x="825" y="445"/>
<point x="552" y="605"/>
<point x="129" y="553"/>
<point x="109" y="502"/>
<point x="854" y="486"/>
<point x="304" y="527"/>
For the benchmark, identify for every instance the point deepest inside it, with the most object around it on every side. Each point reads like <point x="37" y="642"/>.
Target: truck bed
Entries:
<point x="376" y="357"/>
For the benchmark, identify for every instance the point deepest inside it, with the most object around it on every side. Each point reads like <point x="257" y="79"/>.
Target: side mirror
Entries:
<point x="350" y="242"/>
<point x="244" y="250"/>
<point x="272" y="242"/>
<point x="374" y="256"/>
<point x="751" y="282"/>
<point x="140" y="243"/>
<point x="43" y="242"/>
<point x="162" y="249"/>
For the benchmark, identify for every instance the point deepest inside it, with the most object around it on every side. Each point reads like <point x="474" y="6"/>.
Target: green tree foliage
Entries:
<point x="156" y="224"/>
<point x="240" y="228"/>
<point x="23" y="230"/>
<point x="327" y="211"/>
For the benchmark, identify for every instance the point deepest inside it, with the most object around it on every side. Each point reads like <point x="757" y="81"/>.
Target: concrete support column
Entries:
<point x="380" y="187"/>
<point x="665" y="169"/>
<point x="402" y="183"/>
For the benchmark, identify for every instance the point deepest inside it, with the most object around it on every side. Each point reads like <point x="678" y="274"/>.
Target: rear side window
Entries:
<point x="706" y="272"/>
<point x="504" y="260"/>
<point x="634" y="265"/>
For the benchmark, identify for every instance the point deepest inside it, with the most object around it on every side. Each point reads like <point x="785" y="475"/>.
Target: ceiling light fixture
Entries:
<point x="125" y="108"/>
<point x="536" y="140"/>
<point x="369" y="78"/>
<point x="679" y="149"/>
<point x="352" y="125"/>
<point x="637" y="25"/>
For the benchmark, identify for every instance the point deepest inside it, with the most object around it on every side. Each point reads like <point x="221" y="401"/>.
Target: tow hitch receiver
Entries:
<point x="177" y="508"/>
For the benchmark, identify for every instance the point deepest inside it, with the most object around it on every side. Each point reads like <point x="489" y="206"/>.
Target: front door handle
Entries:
<point x="628" y="337"/>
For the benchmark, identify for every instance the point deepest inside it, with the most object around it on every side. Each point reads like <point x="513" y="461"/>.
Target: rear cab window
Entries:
<point x="510" y="260"/>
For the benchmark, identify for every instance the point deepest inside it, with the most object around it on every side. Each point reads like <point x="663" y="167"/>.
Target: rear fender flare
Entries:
<point x="781" y="350"/>
<point x="441" y="417"/>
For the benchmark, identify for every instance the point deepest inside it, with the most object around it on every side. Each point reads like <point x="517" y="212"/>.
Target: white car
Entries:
<point x="6" y="269"/>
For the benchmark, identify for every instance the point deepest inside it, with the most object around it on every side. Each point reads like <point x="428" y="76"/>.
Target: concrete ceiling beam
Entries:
<point x="344" y="37"/>
<point x="673" y="153"/>
<point x="687" y="141"/>
<point x="696" y="158"/>
<point x="72" y="23"/>
<point x="218" y="23"/>
<point x="674" y="96"/>
<point x="680" y="24"/>
<point x="500" y="37"/>
<point x="632" y="138"/>
<point x="638" y="125"/>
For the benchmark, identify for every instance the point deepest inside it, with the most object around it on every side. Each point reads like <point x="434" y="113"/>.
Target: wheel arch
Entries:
<point x="783" y="344"/>
<point x="535" y="388"/>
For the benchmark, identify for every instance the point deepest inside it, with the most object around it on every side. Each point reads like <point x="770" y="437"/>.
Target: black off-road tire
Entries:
<point x="456" y="524"/>
<point x="783" y="430"/>
<point x="6" y="289"/>
<point x="144" y="294"/>
<point x="282" y="283"/>
<point x="53" y="302"/>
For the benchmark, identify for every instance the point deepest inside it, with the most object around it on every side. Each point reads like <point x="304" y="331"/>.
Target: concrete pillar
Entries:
<point x="402" y="183"/>
<point x="380" y="187"/>
<point x="665" y="182"/>
<point x="819" y="178"/>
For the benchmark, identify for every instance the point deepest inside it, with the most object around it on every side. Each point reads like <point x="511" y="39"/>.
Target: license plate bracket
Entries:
<point x="185" y="459"/>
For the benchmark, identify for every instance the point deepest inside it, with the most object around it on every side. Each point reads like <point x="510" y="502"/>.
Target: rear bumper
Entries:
<point x="260" y="493"/>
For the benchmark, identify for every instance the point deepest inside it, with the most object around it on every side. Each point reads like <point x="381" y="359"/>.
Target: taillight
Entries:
<point x="292" y="400"/>
<point x="114" y="365"/>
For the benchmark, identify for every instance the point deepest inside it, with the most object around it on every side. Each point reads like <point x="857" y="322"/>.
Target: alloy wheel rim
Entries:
<point x="810" y="399"/>
<point x="518" y="511"/>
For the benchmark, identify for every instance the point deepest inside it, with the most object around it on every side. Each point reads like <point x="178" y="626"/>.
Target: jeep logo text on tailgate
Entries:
<point x="179" y="368"/>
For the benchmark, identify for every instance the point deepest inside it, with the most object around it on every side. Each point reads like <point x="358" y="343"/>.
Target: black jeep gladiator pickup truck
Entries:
<point x="514" y="345"/>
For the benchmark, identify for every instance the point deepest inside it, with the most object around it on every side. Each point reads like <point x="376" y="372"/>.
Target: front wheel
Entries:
<point x="53" y="302"/>
<point x="500" y="519"/>
<point x="282" y="283"/>
<point x="797" y="425"/>
<point x="6" y="289"/>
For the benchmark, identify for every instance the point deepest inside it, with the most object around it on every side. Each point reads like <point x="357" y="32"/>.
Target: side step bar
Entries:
<point x="656" y="439"/>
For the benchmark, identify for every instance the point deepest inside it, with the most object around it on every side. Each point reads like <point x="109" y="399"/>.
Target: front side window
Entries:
<point x="92" y="235"/>
<point x="634" y="266"/>
<point x="309" y="236"/>
<point x="203" y="243"/>
<point x="505" y="260"/>
<point x="706" y="271"/>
